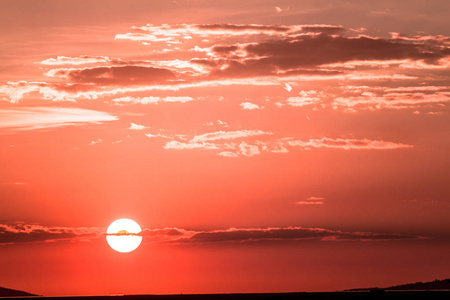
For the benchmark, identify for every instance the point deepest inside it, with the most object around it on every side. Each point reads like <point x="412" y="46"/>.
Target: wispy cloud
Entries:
<point x="311" y="201"/>
<point x="219" y="141"/>
<point x="348" y="144"/>
<point x="31" y="118"/>
<point x="226" y="135"/>
<point x="80" y="60"/>
<point x="151" y="99"/>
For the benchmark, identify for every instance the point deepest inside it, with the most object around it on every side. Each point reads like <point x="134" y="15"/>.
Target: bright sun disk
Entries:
<point x="123" y="235"/>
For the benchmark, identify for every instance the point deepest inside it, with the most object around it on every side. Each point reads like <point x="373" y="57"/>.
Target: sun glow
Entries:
<point x="123" y="235"/>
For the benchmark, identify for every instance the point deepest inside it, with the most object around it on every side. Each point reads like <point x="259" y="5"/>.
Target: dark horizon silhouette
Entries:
<point x="419" y="289"/>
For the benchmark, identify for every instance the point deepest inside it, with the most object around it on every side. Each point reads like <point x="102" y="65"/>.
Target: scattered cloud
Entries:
<point x="287" y="87"/>
<point x="136" y="127"/>
<point x="226" y="135"/>
<point x="219" y="141"/>
<point x="249" y="106"/>
<point x="97" y="141"/>
<point x="248" y="150"/>
<point x="190" y="145"/>
<point x="218" y="123"/>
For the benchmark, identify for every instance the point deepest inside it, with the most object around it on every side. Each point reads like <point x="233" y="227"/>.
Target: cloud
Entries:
<point x="312" y="201"/>
<point x="241" y="235"/>
<point x="248" y="150"/>
<point x="228" y="154"/>
<point x="97" y="141"/>
<point x="80" y="60"/>
<point x="152" y="99"/>
<point x="293" y="54"/>
<point x="225" y="135"/>
<point x="26" y="233"/>
<point x="150" y="135"/>
<point x="136" y="127"/>
<point x="30" y="118"/>
<point x="177" y="33"/>
<point x="403" y="99"/>
<point x="123" y="75"/>
<point x="348" y="144"/>
<point x="18" y="233"/>
<point x="217" y="123"/>
<point x="249" y="106"/>
<point x="324" y="49"/>
<point x="219" y="141"/>
<point x="287" y="87"/>
<point x="176" y="145"/>
<point x="305" y="98"/>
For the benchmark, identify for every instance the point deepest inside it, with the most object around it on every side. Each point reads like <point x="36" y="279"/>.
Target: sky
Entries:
<point x="262" y="146"/>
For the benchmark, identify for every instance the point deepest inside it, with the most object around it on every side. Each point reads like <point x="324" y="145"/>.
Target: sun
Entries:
<point x="123" y="235"/>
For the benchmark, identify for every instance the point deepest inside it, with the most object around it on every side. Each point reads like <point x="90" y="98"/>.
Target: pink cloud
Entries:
<point x="81" y="60"/>
<point x="30" y="118"/>
<point x="249" y="106"/>
<point x="134" y="126"/>
<point x="176" y="145"/>
<point x="225" y="135"/>
<point x="347" y="144"/>
<point x="311" y="201"/>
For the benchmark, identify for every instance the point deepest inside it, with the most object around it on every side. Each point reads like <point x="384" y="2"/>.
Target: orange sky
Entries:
<point x="263" y="146"/>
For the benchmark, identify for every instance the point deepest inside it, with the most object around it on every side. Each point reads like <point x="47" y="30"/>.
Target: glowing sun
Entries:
<point x="123" y="235"/>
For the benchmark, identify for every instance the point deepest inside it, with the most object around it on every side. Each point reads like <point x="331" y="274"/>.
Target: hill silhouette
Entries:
<point x="417" y="286"/>
<point x="4" y="292"/>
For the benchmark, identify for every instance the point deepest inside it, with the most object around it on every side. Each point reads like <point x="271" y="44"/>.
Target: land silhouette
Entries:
<point x="417" y="286"/>
<point x="4" y="292"/>
<point x="437" y="289"/>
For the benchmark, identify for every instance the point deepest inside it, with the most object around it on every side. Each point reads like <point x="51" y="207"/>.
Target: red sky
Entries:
<point x="263" y="146"/>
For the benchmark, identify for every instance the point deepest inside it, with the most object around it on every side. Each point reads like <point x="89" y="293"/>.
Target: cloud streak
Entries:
<point x="19" y="233"/>
<point x="219" y="141"/>
<point x="31" y="233"/>
<point x="32" y="118"/>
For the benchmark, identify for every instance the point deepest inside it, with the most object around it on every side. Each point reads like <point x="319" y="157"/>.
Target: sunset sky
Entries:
<point x="262" y="146"/>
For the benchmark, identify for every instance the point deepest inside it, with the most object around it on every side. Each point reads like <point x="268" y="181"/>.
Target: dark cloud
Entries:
<point x="224" y="49"/>
<point x="26" y="233"/>
<point x="325" y="49"/>
<point x="171" y="232"/>
<point x="329" y="29"/>
<point x="289" y="54"/>
<point x="204" y="62"/>
<point x="123" y="75"/>
<point x="290" y="233"/>
<point x="238" y="27"/>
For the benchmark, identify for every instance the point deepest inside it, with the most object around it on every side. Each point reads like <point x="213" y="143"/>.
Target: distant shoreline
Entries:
<point x="342" y="295"/>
